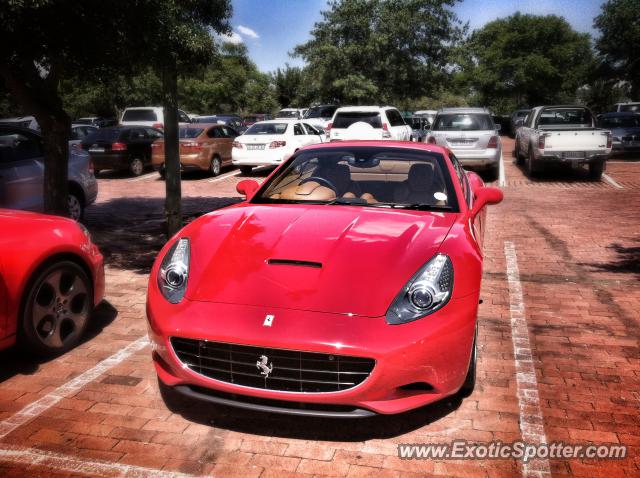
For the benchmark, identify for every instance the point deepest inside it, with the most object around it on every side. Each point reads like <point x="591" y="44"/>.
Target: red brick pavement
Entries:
<point x="577" y="245"/>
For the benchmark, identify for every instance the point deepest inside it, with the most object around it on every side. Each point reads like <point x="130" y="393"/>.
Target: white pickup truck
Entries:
<point x="562" y="134"/>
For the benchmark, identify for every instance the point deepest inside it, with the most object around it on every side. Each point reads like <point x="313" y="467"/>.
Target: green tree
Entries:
<point x="379" y="50"/>
<point x="43" y="43"/>
<point x="287" y="82"/>
<point x="526" y="60"/>
<point x="619" y="43"/>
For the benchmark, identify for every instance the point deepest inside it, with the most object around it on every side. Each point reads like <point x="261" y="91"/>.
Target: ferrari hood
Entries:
<point x="336" y="259"/>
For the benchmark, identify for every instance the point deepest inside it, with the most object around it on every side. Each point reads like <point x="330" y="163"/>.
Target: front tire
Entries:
<point x="136" y="166"/>
<point x="530" y="164"/>
<point x="470" y="381"/>
<point x="57" y="307"/>
<point x="516" y="152"/>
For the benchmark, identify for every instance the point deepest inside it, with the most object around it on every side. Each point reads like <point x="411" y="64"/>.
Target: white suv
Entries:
<point x="152" y="116"/>
<point x="368" y="123"/>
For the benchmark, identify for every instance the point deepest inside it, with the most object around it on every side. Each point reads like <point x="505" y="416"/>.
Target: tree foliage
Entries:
<point x="619" y="43"/>
<point x="379" y="50"/>
<point x="526" y="60"/>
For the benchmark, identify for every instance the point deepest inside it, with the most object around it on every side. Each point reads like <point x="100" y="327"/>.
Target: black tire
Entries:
<point x="495" y="171"/>
<point x="596" y="170"/>
<point x="216" y="166"/>
<point x="516" y="153"/>
<point x="246" y="170"/>
<point x="162" y="173"/>
<point x="75" y="206"/>
<point x="530" y="165"/>
<point x="136" y="166"/>
<point x="56" y="310"/>
<point x="470" y="381"/>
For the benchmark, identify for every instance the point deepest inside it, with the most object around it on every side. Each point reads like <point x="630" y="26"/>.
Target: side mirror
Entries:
<point x="498" y="127"/>
<point x="519" y="122"/>
<point x="484" y="196"/>
<point x="247" y="187"/>
<point x="475" y="181"/>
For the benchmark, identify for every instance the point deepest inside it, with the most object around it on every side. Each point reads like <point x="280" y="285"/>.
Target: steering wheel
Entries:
<point x="322" y="182"/>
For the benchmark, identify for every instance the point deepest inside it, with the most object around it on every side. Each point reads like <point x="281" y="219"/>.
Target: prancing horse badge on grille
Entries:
<point x="263" y="366"/>
<point x="268" y="320"/>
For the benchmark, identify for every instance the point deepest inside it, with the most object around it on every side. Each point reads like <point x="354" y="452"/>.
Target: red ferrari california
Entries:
<point x="51" y="275"/>
<point x="347" y="284"/>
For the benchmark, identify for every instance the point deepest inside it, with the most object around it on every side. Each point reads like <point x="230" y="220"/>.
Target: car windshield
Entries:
<point x="463" y="122"/>
<point x="139" y="115"/>
<point x="287" y="114"/>
<point x="321" y="112"/>
<point x="187" y="133"/>
<point x="569" y="117"/>
<point x="83" y="121"/>
<point x="344" y="119"/>
<point x="620" y="122"/>
<point x="381" y="177"/>
<point x="267" y="128"/>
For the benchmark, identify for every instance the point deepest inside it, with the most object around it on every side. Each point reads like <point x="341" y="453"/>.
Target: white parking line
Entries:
<point x="502" y="181"/>
<point x="142" y="178"/>
<point x="34" y="409"/>
<point x="224" y="176"/>
<point x="611" y="181"/>
<point x="531" y="419"/>
<point x="76" y="465"/>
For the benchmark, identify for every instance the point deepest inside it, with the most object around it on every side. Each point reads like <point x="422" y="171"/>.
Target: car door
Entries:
<point x="21" y="170"/>
<point x="313" y="135"/>
<point x="523" y="134"/>
<point x="300" y="136"/>
<point x="397" y="126"/>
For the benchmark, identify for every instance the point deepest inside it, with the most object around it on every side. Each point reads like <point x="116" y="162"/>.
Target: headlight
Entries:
<point x="427" y="291"/>
<point x="174" y="271"/>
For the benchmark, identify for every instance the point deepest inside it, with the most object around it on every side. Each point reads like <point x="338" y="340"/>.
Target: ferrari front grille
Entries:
<point x="272" y="369"/>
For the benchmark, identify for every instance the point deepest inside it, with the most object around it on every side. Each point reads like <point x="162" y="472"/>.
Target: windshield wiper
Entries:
<point x="348" y="201"/>
<point x="414" y="206"/>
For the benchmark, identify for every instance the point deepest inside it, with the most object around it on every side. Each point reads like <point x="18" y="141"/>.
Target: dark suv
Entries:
<point x="123" y="147"/>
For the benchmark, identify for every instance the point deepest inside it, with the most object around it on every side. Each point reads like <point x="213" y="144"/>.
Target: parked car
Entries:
<point x="565" y="133"/>
<point x="22" y="122"/>
<point x="625" y="130"/>
<point x="318" y="294"/>
<point x="79" y="131"/>
<point x="203" y="147"/>
<point x="516" y="120"/>
<point x="631" y="106"/>
<point x="233" y="121"/>
<point x="320" y="116"/>
<point x="51" y="276"/>
<point x="22" y="173"/>
<point x="428" y="114"/>
<point x="272" y="142"/>
<point x="290" y="113"/>
<point x="97" y="121"/>
<point x="471" y="134"/>
<point x="368" y="123"/>
<point x="126" y="148"/>
<point x="254" y="118"/>
<point x="419" y="127"/>
<point x="152" y="116"/>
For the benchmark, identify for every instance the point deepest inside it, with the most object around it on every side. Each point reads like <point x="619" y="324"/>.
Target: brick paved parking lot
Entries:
<point x="558" y="356"/>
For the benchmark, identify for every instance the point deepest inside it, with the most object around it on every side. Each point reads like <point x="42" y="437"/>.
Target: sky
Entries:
<point x="272" y="28"/>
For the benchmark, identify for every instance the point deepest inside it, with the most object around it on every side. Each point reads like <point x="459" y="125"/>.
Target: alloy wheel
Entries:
<point x="74" y="207"/>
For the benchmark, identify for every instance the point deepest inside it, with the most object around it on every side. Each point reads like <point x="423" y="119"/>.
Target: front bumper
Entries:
<point x="434" y="351"/>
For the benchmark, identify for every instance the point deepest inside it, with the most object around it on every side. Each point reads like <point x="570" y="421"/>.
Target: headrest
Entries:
<point x="420" y="177"/>
<point x="338" y="174"/>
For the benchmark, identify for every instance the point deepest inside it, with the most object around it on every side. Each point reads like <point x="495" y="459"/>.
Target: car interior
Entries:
<point x="374" y="180"/>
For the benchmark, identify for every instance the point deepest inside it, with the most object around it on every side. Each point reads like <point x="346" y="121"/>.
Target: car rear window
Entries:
<point x="463" y="122"/>
<point x="634" y="108"/>
<point x="620" y="122"/>
<point x="267" y="128"/>
<point x="565" y="117"/>
<point x="140" y="115"/>
<point x="321" y="112"/>
<point x="104" y="134"/>
<point x="188" y="133"/>
<point x="287" y="114"/>
<point x="345" y="119"/>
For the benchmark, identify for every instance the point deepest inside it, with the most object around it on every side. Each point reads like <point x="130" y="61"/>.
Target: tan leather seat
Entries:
<point x="419" y="186"/>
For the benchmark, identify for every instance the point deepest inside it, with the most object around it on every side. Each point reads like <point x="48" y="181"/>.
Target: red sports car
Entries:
<point x="346" y="285"/>
<point x="51" y="275"/>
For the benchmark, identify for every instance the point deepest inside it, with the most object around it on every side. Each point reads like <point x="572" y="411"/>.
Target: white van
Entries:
<point x="152" y="116"/>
